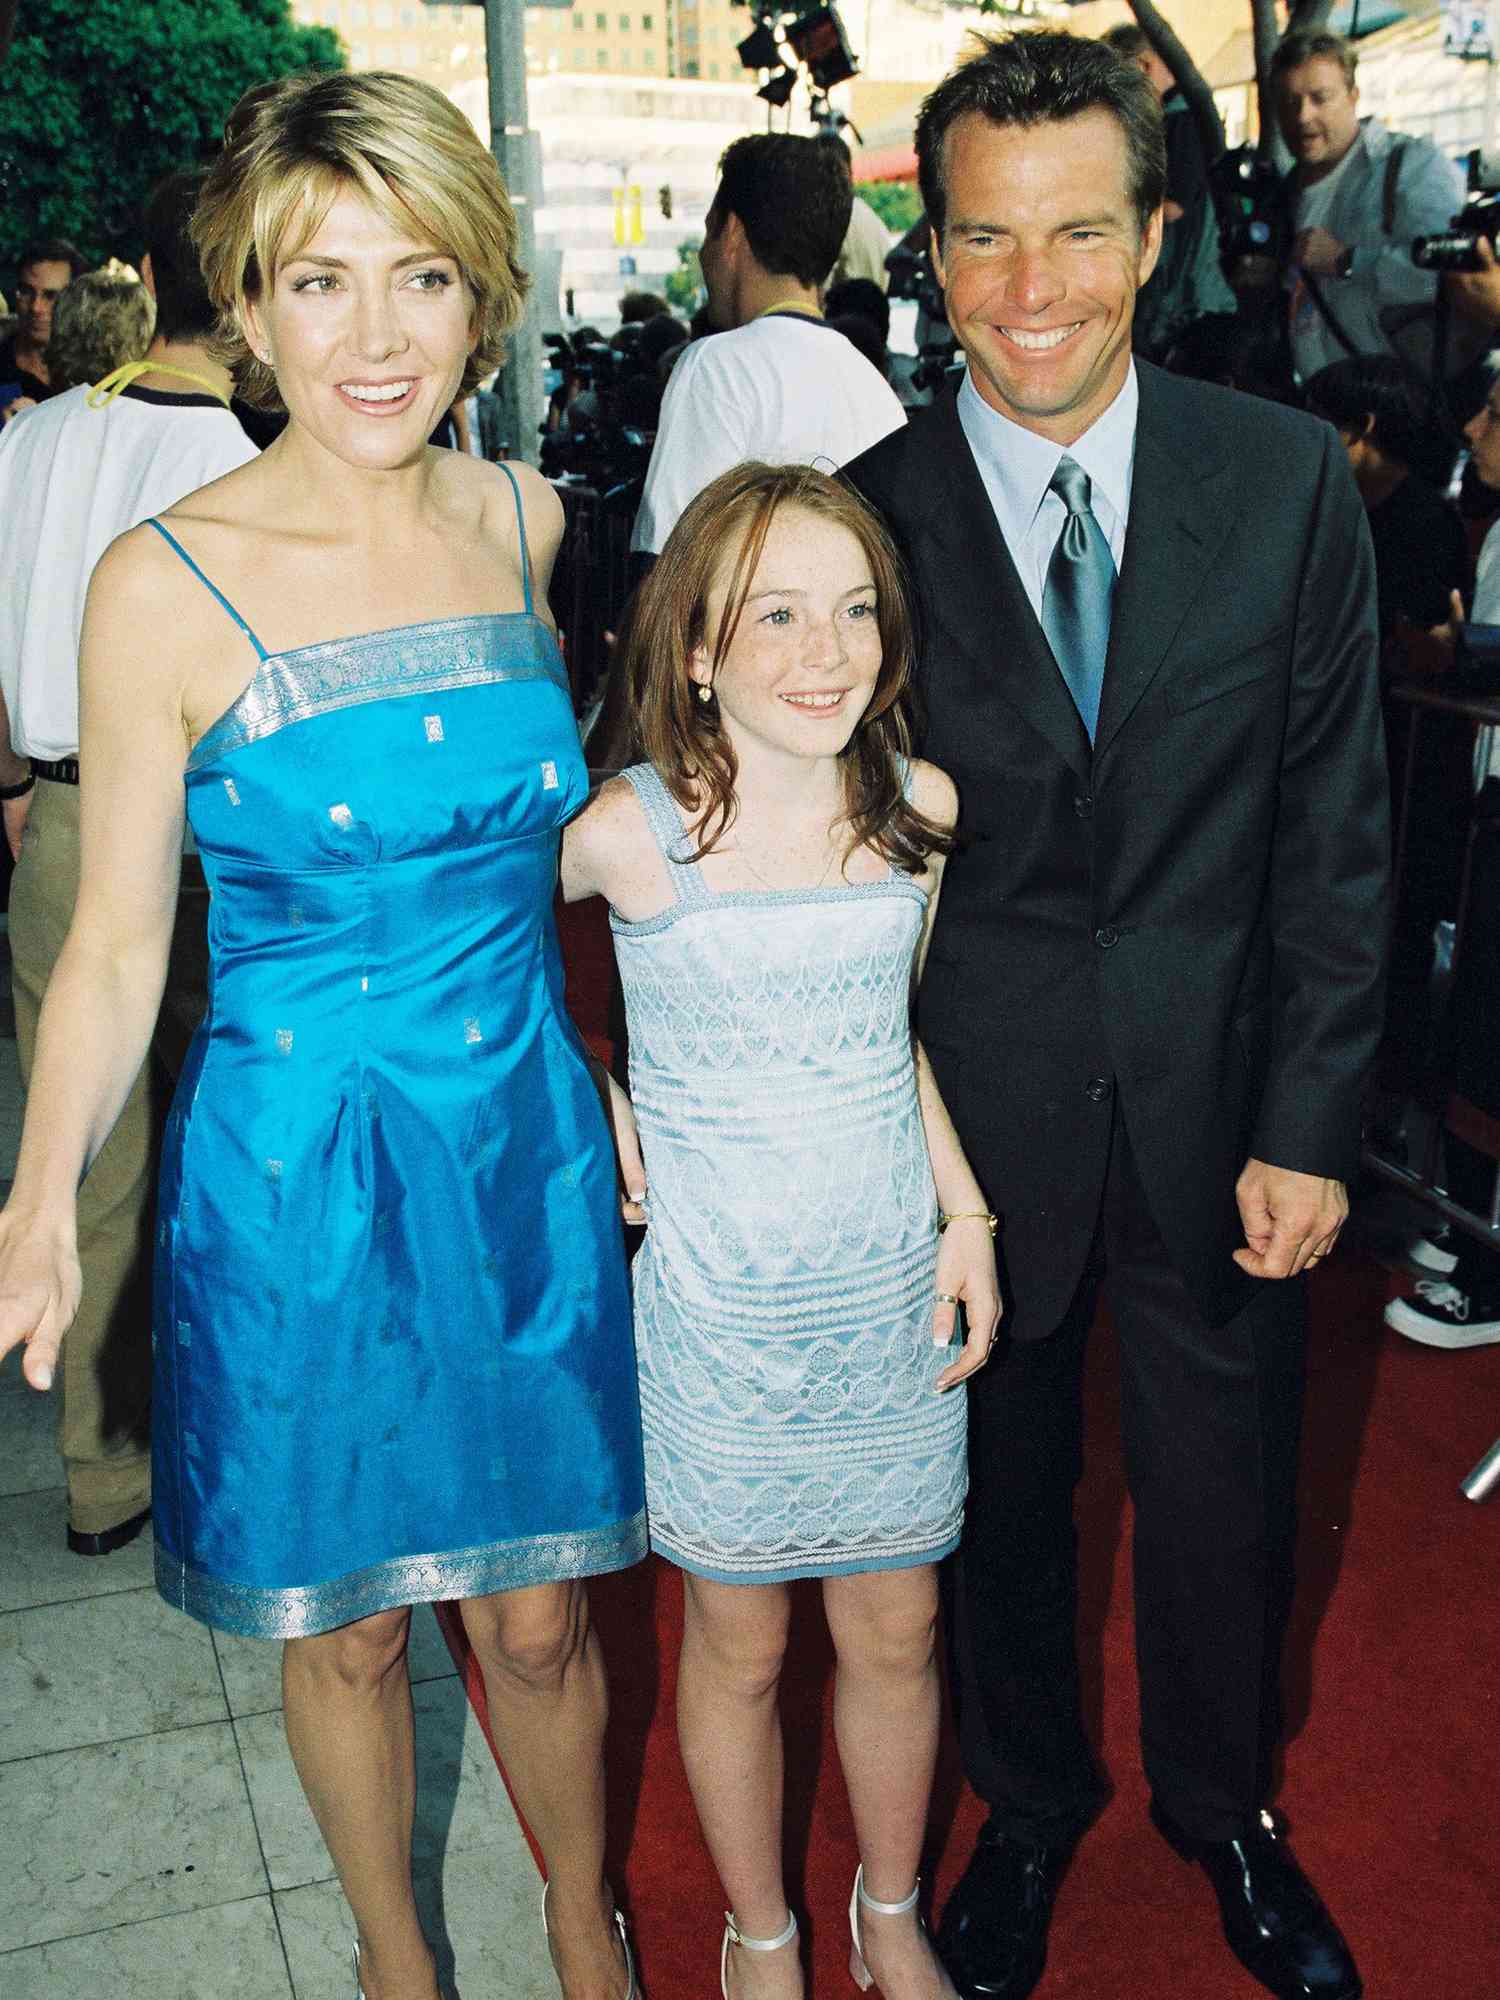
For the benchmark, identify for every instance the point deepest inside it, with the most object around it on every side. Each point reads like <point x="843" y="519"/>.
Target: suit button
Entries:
<point x="1106" y="937"/>
<point x="1083" y="805"/>
<point x="1096" y="1089"/>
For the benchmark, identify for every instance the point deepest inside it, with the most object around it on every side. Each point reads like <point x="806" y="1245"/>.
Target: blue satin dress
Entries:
<point x="393" y="1342"/>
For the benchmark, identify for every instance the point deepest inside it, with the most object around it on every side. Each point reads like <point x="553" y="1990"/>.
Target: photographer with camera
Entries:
<point x="1360" y="194"/>
<point x="776" y="383"/>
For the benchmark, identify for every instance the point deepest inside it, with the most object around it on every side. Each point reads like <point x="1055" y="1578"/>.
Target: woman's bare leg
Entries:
<point x="548" y="1703"/>
<point x="729" y="1724"/>
<point x="349" y="1724"/>
<point x="886" y="1716"/>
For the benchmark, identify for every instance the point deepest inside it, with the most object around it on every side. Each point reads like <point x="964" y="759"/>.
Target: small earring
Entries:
<point x="705" y="692"/>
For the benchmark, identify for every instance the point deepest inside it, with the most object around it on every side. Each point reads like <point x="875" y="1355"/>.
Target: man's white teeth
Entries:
<point x="1036" y="342"/>
<point x="386" y="392"/>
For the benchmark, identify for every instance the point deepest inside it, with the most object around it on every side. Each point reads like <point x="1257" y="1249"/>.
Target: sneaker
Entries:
<point x="1443" y="1316"/>
<point x="1428" y="1254"/>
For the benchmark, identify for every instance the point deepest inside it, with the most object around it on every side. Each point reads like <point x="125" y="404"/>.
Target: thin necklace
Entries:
<point x="783" y="888"/>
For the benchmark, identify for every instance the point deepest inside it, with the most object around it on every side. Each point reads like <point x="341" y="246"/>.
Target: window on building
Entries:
<point x="624" y="24"/>
<point x="359" y="55"/>
<point x="359" y="16"/>
<point x="646" y="24"/>
<point x="408" y="17"/>
<point x="578" y="24"/>
<point x="601" y="24"/>
<point x="713" y="69"/>
<point x="602" y="58"/>
<point x="385" y="15"/>
<point x="411" y="55"/>
<point x="690" y="69"/>
<point x="650" y="58"/>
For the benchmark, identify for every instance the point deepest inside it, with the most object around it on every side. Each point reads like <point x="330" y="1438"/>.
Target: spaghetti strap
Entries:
<point x="515" y="485"/>
<point x="213" y="590"/>
<point x="664" y="817"/>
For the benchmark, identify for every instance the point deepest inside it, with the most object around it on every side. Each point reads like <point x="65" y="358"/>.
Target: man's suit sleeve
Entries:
<point x="1329" y="872"/>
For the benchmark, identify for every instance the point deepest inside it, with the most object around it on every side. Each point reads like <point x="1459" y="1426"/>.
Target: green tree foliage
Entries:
<point x="897" y="203"/>
<point x="683" y="288"/>
<point x="103" y="97"/>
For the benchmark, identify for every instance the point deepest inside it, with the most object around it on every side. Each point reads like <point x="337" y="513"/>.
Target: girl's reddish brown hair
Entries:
<point x="725" y="527"/>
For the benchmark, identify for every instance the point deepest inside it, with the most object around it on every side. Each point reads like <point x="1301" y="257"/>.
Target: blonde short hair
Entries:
<point x="101" y="320"/>
<point x="292" y="146"/>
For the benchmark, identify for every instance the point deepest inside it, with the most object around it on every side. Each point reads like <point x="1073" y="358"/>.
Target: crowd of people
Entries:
<point x="997" y="859"/>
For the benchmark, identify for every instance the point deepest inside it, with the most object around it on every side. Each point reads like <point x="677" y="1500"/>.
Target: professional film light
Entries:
<point x="820" y="42"/>
<point x="779" y="87"/>
<point x="759" y="49"/>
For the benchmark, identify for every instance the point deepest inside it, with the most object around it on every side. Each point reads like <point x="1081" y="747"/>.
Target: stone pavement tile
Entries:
<point x="122" y="1832"/>
<point x="101" y="1668"/>
<point x="252" y="1667"/>
<point x="29" y="1461"/>
<point x="231" y="1952"/>
<point x="36" y="1566"/>
<point x="482" y="1914"/>
<point x="461" y="1802"/>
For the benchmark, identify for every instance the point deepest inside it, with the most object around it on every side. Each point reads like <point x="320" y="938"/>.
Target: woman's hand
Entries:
<point x="40" y="1287"/>
<point x="966" y="1274"/>
<point x="627" y="1151"/>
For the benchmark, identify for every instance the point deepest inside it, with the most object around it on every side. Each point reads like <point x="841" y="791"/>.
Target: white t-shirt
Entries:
<point x="71" y="480"/>
<point x="784" y="388"/>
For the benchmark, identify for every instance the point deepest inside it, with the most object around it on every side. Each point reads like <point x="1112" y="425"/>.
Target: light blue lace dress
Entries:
<point x="784" y="1292"/>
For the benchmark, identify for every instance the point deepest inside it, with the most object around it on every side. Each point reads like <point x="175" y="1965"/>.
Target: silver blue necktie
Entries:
<point x="1078" y="592"/>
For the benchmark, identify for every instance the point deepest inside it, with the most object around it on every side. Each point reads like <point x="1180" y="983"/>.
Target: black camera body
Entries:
<point x="1250" y="204"/>
<point x="1457" y="249"/>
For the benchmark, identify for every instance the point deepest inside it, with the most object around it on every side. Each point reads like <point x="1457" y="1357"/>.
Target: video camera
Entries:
<point x="597" y="443"/>
<point x="1251" y="207"/>
<point x="1457" y="249"/>
<point x="910" y="275"/>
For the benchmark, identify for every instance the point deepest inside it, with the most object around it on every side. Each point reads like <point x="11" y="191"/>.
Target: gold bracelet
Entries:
<point x="968" y="1215"/>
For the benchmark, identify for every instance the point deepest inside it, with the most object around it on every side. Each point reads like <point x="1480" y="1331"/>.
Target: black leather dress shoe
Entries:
<point x="1274" y="1919"/>
<point x="109" y="1539"/>
<point x="993" y="1937"/>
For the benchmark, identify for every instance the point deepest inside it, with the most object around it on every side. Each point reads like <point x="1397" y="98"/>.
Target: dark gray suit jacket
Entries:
<point x="1187" y="923"/>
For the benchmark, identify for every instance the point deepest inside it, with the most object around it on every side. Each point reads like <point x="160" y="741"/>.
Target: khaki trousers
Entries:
<point x="105" y="1405"/>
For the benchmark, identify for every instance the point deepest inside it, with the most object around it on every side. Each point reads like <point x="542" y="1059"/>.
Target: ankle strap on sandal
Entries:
<point x="735" y="1935"/>
<point x="869" y="1902"/>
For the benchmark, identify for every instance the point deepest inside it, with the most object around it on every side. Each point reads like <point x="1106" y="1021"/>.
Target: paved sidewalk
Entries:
<point x="154" y="1842"/>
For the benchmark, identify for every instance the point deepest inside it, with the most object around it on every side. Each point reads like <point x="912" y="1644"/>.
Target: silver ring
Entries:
<point x="947" y="1298"/>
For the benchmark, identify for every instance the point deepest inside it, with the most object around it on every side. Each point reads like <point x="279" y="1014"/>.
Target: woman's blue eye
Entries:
<point x="431" y="281"/>
<point x="314" y="281"/>
<point x="780" y="616"/>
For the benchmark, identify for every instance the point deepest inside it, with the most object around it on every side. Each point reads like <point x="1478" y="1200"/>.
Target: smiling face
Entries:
<point x="1318" y="110"/>
<point x="368" y="332"/>
<point x="1041" y="258"/>
<point x="806" y="653"/>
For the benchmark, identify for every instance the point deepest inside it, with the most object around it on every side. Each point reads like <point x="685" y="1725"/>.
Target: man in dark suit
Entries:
<point x="1148" y="660"/>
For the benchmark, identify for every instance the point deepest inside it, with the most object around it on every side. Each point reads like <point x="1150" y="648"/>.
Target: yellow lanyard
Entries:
<point x="790" y="307"/>
<point x="105" y="391"/>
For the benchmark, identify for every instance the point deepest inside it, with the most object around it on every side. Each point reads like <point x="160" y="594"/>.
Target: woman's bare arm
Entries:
<point x="105" y="991"/>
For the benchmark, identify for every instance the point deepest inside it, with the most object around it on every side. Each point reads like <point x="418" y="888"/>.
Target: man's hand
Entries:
<point x="1291" y="1220"/>
<point x="1476" y="294"/>
<point x="1317" y="251"/>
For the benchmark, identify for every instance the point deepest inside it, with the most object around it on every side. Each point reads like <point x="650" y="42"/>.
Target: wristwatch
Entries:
<point x="1343" y="264"/>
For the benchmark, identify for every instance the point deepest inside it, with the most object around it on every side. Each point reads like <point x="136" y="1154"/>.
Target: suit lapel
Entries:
<point x="980" y="599"/>
<point x="1180" y="516"/>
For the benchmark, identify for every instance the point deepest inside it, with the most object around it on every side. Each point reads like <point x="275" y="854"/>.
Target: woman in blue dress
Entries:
<point x="393" y="1344"/>
<point x="772" y="872"/>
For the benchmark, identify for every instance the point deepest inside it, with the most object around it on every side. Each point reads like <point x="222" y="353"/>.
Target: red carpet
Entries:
<point x="1391" y="1678"/>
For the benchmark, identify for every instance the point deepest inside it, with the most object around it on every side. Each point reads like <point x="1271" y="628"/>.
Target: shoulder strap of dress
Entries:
<point x="213" y="590"/>
<point x="664" y="817"/>
<point x="515" y="487"/>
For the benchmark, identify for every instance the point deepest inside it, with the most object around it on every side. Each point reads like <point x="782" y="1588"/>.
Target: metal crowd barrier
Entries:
<point x="1453" y="1113"/>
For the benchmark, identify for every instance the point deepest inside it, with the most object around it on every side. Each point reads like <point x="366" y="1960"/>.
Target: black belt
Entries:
<point x="63" y="772"/>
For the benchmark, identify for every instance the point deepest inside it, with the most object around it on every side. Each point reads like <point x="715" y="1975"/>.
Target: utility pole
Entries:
<point x="519" y="154"/>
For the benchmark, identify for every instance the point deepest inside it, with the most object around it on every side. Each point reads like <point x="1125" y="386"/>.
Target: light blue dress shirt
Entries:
<point x="1017" y="467"/>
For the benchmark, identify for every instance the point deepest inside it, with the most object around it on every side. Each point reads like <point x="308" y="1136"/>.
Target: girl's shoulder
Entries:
<point x="933" y="793"/>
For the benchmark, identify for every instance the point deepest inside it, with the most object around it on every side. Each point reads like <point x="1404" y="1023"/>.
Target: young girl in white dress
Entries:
<point x="812" y="1225"/>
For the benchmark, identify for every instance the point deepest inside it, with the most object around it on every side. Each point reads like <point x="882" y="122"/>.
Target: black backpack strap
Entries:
<point x="1388" y="190"/>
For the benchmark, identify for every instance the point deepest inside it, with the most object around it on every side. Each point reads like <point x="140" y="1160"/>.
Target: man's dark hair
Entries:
<point x="53" y="250"/>
<point x="840" y="146"/>
<point x="1378" y="395"/>
<point x="1127" y="40"/>
<point x="861" y="335"/>
<point x="1041" y="78"/>
<point x="183" y="308"/>
<point x="637" y="307"/>
<point x="1308" y="45"/>
<point x="863" y="297"/>
<point x="793" y="198"/>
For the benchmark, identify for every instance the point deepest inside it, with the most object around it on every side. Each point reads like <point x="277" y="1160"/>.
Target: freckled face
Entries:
<point x="807" y="652"/>
<point x="368" y="332"/>
<point x="1041" y="258"/>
